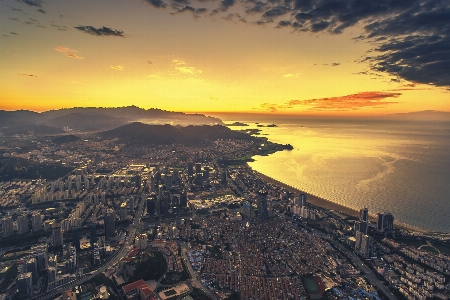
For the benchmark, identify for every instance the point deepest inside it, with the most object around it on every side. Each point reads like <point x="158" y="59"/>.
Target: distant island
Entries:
<point x="269" y="125"/>
<point x="237" y="124"/>
<point x="93" y="119"/>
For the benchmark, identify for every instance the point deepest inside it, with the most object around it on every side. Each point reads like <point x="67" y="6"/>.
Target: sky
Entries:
<point x="325" y="57"/>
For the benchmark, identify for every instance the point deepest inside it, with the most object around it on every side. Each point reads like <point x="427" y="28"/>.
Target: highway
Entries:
<point x="118" y="255"/>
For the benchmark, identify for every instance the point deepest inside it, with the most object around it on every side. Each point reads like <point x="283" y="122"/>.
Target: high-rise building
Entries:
<point x="361" y="226"/>
<point x="25" y="285"/>
<point x="183" y="199"/>
<point x="110" y="224"/>
<point x="22" y="224"/>
<point x="75" y="237"/>
<point x="41" y="256"/>
<point x="223" y="179"/>
<point x="262" y="205"/>
<point x="57" y="236"/>
<point x="364" y="249"/>
<point x="385" y="222"/>
<point x="123" y="211"/>
<point x="93" y="234"/>
<point x="32" y="267"/>
<point x="7" y="225"/>
<point x="164" y="204"/>
<point x="151" y="204"/>
<point x="301" y="200"/>
<point x="36" y="221"/>
<point x="364" y="214"/>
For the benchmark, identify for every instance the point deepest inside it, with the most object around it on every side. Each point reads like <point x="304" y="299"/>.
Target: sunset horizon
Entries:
<point x="301" y="57"/>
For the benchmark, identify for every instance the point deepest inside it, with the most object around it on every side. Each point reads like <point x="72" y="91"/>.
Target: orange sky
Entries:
<point x="183" y="58"/>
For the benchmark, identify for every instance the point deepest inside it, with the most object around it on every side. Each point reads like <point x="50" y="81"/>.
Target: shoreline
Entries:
<point x="329" y="205"/>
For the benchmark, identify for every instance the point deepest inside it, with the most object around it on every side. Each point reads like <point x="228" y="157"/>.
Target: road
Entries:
<point x="373" y="279"/>
<point x="118" y="255"/>
<point x="195" y="282"/>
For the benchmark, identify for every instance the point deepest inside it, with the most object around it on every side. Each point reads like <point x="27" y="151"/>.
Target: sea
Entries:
<point x="401" y="167"/>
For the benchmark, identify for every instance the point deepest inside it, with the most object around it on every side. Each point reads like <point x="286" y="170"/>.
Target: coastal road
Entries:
<point x="195" y="282"/>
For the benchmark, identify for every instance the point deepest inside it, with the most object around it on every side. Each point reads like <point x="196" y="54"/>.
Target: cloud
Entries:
<point x="183" y="69"/>
<point x="101" y="31"/>
<point x="234" y="18"/>
<point x="195" y="11"/>
<point x="36" y="3"/>
<point x="335" y="64"/>
<point x="117" y="67"/>
<point x="295" y="75"/>
<point x="68" y="52"/>
<point x="340" y="103"/>
<point x="157" y="3"/>
<point x="58" y="27"/>
<point x="411" y="38"/>
<point x="29" y="75"/>
<point x="41" y="11"/>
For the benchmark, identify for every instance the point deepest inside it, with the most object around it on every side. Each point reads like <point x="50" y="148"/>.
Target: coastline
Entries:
<point x="329" y="205"/>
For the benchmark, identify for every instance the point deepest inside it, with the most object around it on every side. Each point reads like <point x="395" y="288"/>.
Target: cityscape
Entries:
<point x="118" y="221"/>
<point x="225" y="150"/>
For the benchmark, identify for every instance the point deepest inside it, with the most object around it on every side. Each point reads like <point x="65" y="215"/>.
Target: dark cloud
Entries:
<point x="29" y="75"/>
<point x="12" y="32"/>
<point x="195" y="11"/>
<point x="59" y="27"/>
<point x="256" y="7"/>
<point x="102" y="31"/>
<point x="157" y="3"/>
<point x="276" y="12"/>
<point x="41" y="11"/>
<point x="335" y="64"/>
<point x="225" y="4"/>
<point x="235" y="18"/>
<point x="31" y="2"/>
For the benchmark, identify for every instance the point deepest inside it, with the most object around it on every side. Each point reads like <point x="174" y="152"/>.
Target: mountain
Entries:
<point x="144" y="134"/>
<point x="425" y="115"/>
<point x="99" y="118"/>
<point x="31" y="129"/>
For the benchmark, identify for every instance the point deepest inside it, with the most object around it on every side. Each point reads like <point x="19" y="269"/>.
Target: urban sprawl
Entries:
<point x="176" y="222"/>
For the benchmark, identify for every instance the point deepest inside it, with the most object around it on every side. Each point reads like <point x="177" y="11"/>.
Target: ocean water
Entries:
<point x="387" y="166"/>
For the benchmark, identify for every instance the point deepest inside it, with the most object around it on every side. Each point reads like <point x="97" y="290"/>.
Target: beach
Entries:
<point x="329" y="205"/>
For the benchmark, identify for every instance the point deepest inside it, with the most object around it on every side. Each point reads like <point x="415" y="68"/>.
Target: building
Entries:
<point x="364" y="248"/>
<point x="7" y="225"/>
<point x="33" y="269"/>
<point x="262" y="205"/>
<point x="123" y="211"/>
<point x="248" y="210"/>
<point x="385" y="222"/>
<point x="133" y="290"/>
<point x="36" y="221"/>
<point x="301" y="200"/>
<point x="25" y="285"/>
<point x="22" y="224"/>
<point x="110" y="224"/>
<point x="361" y="226"/>
<point x="364" y="214"/>
<point x="75" y="237"/>
<point x="57" y="236"/>
<point x="151" y="204"/>
<point x="141" y="241"/>
<point x="93" y="234"/>
<point x="183" y="199"/>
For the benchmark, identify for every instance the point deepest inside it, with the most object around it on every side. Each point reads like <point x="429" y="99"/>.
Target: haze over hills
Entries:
<point x="425" y="115"/>
<point x="99" y="119"/>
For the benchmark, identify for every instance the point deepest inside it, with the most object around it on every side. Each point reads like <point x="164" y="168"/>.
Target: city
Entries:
<point x="195" y="222"/>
